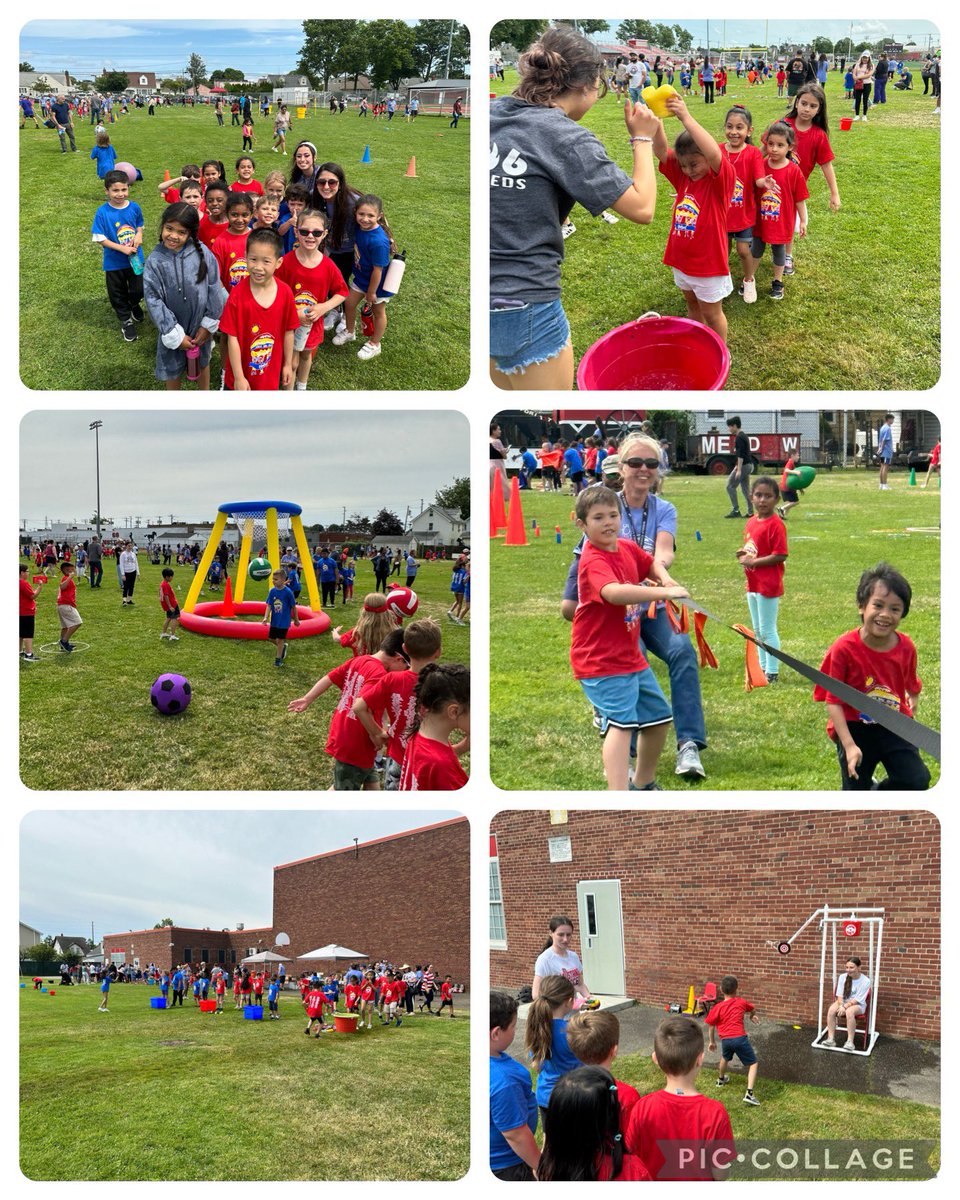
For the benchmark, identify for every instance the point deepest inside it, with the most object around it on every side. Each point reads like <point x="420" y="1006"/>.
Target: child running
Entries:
<point x="446" y="996"/>
<point x="788" y="497"/>
<point x="281" y="610"/>
<point x="442" y="700"/>
<point x="458" y="585"/>
<point x="582" y="1137"/>
<point x="697" y="244"/>
<point x="546" y="1035"/>
<point x="807" y="116"/>
<point x="762" y="555"/>
<point x="748" y="168"/>
<point x="882" y="663"/>
<point x="259" y="320"/>
<point x="374" y="251"/>
<point x="318" y="288"/>
<point x="782" y="204"/>
<point x="726" y="1020"/>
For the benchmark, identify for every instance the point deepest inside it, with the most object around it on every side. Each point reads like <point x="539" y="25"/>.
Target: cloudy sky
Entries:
<point x="153" y="464"/>
<point x="129" y="870"/>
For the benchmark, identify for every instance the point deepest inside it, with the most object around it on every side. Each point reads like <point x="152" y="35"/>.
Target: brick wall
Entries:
<point x="405" y="897"/>
<point x="703" y="892"/>
<point x="153" y="945"/>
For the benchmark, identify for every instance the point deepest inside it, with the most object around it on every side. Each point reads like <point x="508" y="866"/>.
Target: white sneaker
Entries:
<point x="172" y="637"/>
<point x="331" y="321"/>
<point x="688" y="761"/>
<point x="848" y="1045"/>
<point x="749" y="291"/>
<point x="568" y="229"/>
<point x="341" y="323"/>
<point x="164" y="636"/>
<point x="936" y="112"/>
<point x="866" y="122"/>
<point x="609" y="218"/>
<point x="344" y="336"/>
<point x="369" y="350"/>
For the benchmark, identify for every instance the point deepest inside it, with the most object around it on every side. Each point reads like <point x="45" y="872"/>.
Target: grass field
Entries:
<point x="540" y="727"/>
<point x="862" y="311"/>
<point x="137" y="1094"/>
<point x="69" y="336"/>
<point x="86" y="720"/>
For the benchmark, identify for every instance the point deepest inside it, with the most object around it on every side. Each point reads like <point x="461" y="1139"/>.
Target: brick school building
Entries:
<point x="405" y="898"/>
<point x="663" y="900"/>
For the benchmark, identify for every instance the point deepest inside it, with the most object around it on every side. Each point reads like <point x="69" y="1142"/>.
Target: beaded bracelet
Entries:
<point x="640" y="138"/>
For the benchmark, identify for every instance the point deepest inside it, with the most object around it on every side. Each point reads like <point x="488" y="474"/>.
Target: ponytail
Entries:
<point x="554" y="991"/>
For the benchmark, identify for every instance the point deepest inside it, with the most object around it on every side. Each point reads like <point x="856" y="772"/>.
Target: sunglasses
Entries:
<point x="314" y="233"/>
<point x="328" y="183"/>
<point x="650" y="463"/>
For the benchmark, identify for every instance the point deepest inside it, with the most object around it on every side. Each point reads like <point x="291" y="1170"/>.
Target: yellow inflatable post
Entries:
<point x="309" y="574"/>
<point x="273" y="539"/>
<point x="246" y="541"/>
<point x="216" y="533"/>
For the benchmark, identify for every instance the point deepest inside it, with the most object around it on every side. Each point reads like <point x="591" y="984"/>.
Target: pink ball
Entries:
<point x="128" y="169"/>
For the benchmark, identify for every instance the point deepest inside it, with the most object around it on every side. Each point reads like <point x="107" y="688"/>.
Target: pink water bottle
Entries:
<point x="193" y="363"/>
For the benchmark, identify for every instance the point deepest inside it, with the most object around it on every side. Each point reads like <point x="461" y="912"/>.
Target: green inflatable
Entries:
<point x="259" y="569"/>
<point x="801" y="477"/>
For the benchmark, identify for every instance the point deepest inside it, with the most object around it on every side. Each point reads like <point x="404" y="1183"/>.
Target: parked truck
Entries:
<point x="712" y="453"/>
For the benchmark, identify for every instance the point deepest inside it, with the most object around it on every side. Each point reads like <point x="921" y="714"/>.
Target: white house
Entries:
<point x="436" y="526"/>
<point x="32" y="82"/>
<point x="68" y="944"/>
<point x="29" y="936"/>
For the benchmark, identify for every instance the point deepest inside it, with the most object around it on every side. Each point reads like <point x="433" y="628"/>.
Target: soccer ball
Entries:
<point x="259" y="569"/>
<point x="170" y="694"/>
<point x="402" y="601"/>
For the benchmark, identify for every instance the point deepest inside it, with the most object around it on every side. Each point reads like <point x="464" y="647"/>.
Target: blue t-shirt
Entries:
<point x="373" y="247"/>
<point x="27" y="105"/>
<point x="164" y="983"/>
<point x="118" y="225"/>
<point x="105" y="986"/>
<point x="331" y="991"/>
<point x="661" y="517"/>
<point x="458" y="582"/>
<point x="106" y="157"/>
<point x="530" y="460"/>
<point x="273" y="991"/>
<point x="885" y="441"/>
<point x="412" y="566"/>
<point x="512" y="1104"/>
<point x="280" y="603"/>
<point x="293" y="581"/>
<point x="177" y="981"/>
<point x="573" y="460"/>
<point x="561" y="1061"/>
<point x="326" y="568"/>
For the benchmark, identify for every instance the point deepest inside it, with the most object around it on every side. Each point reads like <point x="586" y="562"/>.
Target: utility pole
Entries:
<point x="446" y="70"/>
<point x="96" y="427"/>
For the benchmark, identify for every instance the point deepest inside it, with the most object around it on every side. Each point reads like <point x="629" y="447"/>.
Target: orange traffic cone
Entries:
<point x="516" y="533"/>
<point x="498" y="510"/>
<point x="411" y="172"/>
<point x="494" y="531"/>
<point x="226" y="608"/>
<point x="166" y="175"/>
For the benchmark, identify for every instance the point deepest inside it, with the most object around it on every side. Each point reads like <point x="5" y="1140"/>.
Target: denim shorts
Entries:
<point x="524" y="337"/>
<point x="632" y="701"/>
<point x="742" y="1047"/>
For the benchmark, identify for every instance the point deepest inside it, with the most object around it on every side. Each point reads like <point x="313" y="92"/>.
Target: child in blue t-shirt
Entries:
<point x="546" y="1035"/>
<point x="104" y="993"/>
<point x="118" y="227"/>
<point x="373" y="251"/>
<point x="214" y="575"/>
<point x="514" y="1153"/>
<point x="347" y="575"/>
<point x="331" y="989"/>
<point x="273" y="998"/>
<point x="104" y="153"/>
<point x="280" y="611"/>
<point x="458" y="585"/>
<point x="165" y="986"/>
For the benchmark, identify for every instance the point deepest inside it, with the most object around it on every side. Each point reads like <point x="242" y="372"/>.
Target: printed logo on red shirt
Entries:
<point x="261" y="350"/>
<point x="685" y="217"/>
<point x="770" y="205"/>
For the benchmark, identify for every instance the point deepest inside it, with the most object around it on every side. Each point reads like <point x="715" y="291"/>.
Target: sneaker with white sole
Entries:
<point x="369" y="350"/>
<point x="724" y="1079"/>
<point x="344" y="336"/>
<point x="688" y="761"/>
<point x="749" y="292"/>
<point x="609" y="218"/>
<point x="848" y="1044"/>
<point x="776" y="290"/>
<point x="750" y="1098"/>
<point x="568" y="229"/>
<point x="788" y="267"/>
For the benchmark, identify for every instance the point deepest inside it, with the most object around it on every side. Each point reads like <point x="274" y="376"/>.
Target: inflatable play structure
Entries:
<point x="260" y="523"/>
<point x="850" y="923"/>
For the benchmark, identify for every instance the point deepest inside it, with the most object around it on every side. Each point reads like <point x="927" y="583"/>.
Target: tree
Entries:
<point x="392" y="52"/>
<point x="171" y="85"/>
<point x="430" y="47"/>
<point x="42" y="952"/>
<point x="111" y="81"/>
<point x="663" y="36"/>
<point x="822" y="45"/>
<point x="456" y="496"/>
<point x="196" y="72"/>
<point x="519" y="34"/>
<point x="323" y="44"/>
<point x="354" y="56"/>
<point x="358" y="523"/>
<point x="166" y="923"/>
<point x="586" y="27"/>
<point x="683" y="39"/>
<point x="641" y="30"/>
<point x="25" y="66"/>
<point x="229" y="75"/>
<point x="386" y="524"/>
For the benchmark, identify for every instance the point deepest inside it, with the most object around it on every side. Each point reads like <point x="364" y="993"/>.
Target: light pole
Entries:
<point x="96" y="427"/>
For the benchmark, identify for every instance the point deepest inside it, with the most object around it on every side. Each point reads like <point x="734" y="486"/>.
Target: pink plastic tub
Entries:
<point x="656" y="353"/>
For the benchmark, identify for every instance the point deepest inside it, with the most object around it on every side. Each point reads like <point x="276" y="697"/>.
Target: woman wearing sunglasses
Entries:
<point x="651" y="522"/>
<point x="541" y="163"/>
<point x="333" y="196"/>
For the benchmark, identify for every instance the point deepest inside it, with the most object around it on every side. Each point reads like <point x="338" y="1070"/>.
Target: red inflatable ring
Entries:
<point x="206" y="619"/>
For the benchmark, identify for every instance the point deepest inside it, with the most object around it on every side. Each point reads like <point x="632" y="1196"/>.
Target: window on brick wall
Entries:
<point x="498" y="924"/>
<point x="221" y="956"/>
<point x="204" y="955"/>
<point x="186" y="954"/>
<point x="233" y="956"/>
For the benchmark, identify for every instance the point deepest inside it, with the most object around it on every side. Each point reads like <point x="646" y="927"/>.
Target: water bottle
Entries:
<point x="366" y="320"/>
<point x="193" y="363"/>
<point x="136" y="262"/>
<point x="391" y="281"/>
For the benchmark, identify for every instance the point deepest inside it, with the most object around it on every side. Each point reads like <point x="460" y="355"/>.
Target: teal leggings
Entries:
<point x="763" y="615"/>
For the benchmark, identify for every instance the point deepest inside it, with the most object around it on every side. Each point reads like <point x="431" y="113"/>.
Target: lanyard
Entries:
<point x="638" y="538"/>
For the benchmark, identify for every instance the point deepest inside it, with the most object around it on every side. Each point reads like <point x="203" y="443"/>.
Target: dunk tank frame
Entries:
<point x="257" y="520"/>
<point x="851" y="921"/>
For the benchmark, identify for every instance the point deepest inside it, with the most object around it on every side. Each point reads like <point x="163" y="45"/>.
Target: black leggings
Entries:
<point x="861" y="97"/>
<point x="906" y="770"/>
<point x="129" y="582"/>
<point x="708" y="91"/>
<point x="329" y="591"/>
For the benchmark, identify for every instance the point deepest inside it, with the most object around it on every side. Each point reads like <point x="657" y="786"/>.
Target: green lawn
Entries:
<point x="540" y="727"/>
<point x="862" y="311"/>
<point x="138" y="1094"/>
<point x="69" y="335"/>
<point x="86" y="720"/>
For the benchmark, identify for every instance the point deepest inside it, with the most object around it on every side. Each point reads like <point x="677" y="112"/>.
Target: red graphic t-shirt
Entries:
<point x="210" y="230"/>
<point x="392" y="696"/>
<point x="347" y="740"/>
<point x="811" y="148"/>
<point x="431" y="766"/>
<point x="747" y="164"/>
<point x="260" y="332"/>
<point x="778" y="209"/>
<point x="311" y="285"/>
<point x="761" y="538"/>
<point x="697" y="244"/>
<point x="605" y="636"/>
<point x="886" y="675"/>
<point x="230" y="251"/>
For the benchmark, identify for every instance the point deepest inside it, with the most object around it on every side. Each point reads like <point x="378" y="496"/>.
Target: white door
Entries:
<point x="601" y="935"/>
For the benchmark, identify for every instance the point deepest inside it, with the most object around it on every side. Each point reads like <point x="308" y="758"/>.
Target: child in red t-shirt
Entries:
<point x="170" y="606"/>
<point x="726" y="1020"/>
<point x="237" y="984"/>
<point x="446" y="996"/>
<point x="214" y="220"/>
<point x="351" y="993"/>
<point x="389" y="1000"/>
<point x="318" y="288"/>
<point x="220" y="988"/>
<point x="582" y="1132"/>
<point x="313" y="1003"/>
<point x="781" y="80"/>
<point x="882" y="663"/>
<point x="748" y="169"/>
<point x="259" y="320"/>
<point x="782" y="204"/>
<point x="347" y="741"/>
<point x="230" y="244"/>
<point x="594" y="1038"/>
<point x="697" y="244"/>
<point x="762" y="555"/>
<point x="430" y="762"/>
<point x="808" y="118"/>
<point x="245" y="181"/>
<point x="678" y="1113"/>
<point x="28" y="613"/>
<point x="368" y="995"/>
<point x="604" y="650"/>
<point x="70" y="619"/>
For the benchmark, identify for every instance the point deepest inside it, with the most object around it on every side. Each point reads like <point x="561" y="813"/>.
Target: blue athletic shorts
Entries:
<point x="632" y="701"/>
<point x="523" y="337"/>
<point x="742" y="1047"/>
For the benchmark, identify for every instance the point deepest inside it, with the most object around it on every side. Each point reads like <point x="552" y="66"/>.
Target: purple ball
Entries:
<point x="170" y="694"/>
<point x="128" y="169"/>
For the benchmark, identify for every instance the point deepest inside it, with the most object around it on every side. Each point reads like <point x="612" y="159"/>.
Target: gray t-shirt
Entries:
<point x="541" y="163"/>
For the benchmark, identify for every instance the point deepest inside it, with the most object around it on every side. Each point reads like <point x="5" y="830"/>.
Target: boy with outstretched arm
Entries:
<point x="726" y="1019"/>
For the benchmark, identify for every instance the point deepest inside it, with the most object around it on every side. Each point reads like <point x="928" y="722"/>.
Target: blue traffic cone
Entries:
<point x="366" y="155"/>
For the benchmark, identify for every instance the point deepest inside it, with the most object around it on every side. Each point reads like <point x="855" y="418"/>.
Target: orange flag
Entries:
<point x="753" y="676"/>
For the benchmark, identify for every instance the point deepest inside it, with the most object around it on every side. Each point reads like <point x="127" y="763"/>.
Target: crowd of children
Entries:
<point x="247" y="265"/>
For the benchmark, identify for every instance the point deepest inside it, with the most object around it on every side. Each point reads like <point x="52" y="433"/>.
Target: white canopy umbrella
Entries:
<point x="265" y="956"/>
<point x="333" y="951"/>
